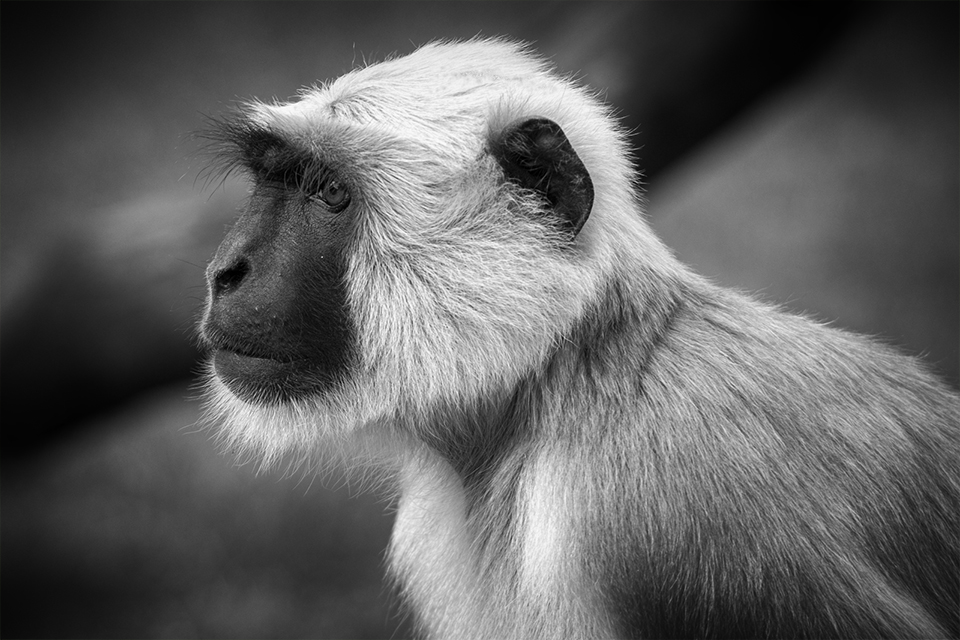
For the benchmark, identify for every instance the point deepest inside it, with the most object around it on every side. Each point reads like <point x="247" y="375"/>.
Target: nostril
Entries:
<point x="228" y="280"/>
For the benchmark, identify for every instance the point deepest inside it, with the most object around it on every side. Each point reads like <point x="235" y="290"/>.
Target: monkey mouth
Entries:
<point x="220" y="344"/>
<point x="244" y="354"/>
<point x="257" y="378"/>
<point x="262" y="369"/>
<point x="247" y="367"/>
<point x="233" y="364"/>
<point x="241" y="356"/>
<point x="265" y="379"/>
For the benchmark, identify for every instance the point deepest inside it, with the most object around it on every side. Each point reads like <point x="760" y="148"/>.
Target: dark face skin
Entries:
<point x="276" y="321"/>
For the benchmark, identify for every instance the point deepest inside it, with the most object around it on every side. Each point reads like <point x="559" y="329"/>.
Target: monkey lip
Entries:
<point x="249" y="369"/>
<point x="254" y="377"/>
<point x="225" y="347"/>
<point x="265" y="380"/>
<point x="230" y="359"/>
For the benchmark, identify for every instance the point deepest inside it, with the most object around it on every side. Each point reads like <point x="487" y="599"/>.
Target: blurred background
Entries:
<point x="808" y="152"/>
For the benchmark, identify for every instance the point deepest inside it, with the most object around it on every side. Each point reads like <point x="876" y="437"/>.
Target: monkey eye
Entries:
<point x="334" y="194"/>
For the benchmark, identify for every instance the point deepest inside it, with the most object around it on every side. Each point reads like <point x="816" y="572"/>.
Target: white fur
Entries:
<point x="432" y="554"/>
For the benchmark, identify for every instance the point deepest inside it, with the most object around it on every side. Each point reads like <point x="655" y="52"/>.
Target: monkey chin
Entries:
<point x="267" y="381"/>
<point x="313" y="432"/>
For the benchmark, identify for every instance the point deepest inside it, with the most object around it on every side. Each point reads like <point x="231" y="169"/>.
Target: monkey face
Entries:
<point x="276" y="318"/>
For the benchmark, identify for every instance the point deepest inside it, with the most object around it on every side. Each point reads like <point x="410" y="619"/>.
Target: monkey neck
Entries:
<point x="492" y="435"/>
<point x="475" y="439"/>
<point x="492" y="478"/>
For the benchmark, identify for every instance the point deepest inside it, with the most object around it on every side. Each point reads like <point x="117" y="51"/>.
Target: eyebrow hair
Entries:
<point x="238" y="143"/>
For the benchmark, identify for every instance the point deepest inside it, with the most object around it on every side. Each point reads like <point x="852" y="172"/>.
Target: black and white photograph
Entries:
<point x="481" y="320"/>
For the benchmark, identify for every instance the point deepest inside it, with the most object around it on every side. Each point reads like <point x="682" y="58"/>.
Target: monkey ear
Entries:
<point x="535" y="154"/>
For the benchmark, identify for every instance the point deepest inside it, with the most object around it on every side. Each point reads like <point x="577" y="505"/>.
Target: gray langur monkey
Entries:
<point x="444" y="272"/>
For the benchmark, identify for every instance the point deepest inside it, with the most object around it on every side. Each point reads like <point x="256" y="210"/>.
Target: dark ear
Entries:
<point x="535" y="154"/>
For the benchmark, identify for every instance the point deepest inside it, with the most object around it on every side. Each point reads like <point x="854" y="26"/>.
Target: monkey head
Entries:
<point x="420" y="233"/>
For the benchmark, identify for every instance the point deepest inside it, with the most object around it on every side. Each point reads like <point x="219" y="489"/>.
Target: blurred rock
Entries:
<point x="840" y="196"/>
<point x="138" y="527"/>
<point x="97" y="312"/>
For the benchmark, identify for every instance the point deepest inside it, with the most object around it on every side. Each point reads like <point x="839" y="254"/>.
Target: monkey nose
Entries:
<point x="227" y="280"/>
